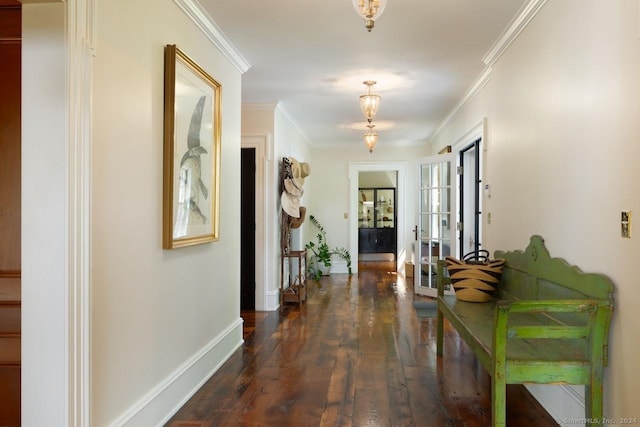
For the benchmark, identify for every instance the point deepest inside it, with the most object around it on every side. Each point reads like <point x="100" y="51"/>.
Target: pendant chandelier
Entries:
<point x="369" y="10"/>
<point x="370" y="138"/>
<point x="369" y="102"/>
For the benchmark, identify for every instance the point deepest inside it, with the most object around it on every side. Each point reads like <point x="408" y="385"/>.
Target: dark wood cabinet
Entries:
<point x="377" y="220"/>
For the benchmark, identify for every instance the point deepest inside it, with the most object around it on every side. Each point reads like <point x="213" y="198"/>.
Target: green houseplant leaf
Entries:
<point x="322" y="252"/>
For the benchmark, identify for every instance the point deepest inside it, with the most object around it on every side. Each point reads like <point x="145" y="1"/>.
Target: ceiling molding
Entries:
<point x="276" y="107"/>
<point x="511" y="33"/>
<point x="293" y="123"/>
<point x="499" y="47"/>
<point x="202" y="19"/>
<point x="475" y="88"/>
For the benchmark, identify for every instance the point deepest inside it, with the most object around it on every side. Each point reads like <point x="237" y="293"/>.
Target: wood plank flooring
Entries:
<point x="354" y="354"/>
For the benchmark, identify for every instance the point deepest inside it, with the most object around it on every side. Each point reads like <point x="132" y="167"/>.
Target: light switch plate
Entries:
<point x="625" y="224"/>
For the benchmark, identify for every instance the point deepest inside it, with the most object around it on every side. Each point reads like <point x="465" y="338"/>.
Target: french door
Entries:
<point x="436" y="228"/>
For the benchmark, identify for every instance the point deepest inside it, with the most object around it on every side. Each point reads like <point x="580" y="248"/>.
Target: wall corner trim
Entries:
<point x="204" y="21"/>
<point x="509" y="35"/>
<point x="292" y="122"/>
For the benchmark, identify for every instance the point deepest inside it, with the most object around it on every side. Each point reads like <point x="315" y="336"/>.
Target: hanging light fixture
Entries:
<point x="371" y="137"/>
<point x="369" y="10"/>
<point x="369" y="102"/>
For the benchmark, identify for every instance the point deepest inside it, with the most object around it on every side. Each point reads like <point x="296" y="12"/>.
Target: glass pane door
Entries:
<point x="366" y="214"/>
<point x="436" y="219"/>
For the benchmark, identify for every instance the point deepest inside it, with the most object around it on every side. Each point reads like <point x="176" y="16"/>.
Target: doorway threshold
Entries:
<point x="377" y="257"/>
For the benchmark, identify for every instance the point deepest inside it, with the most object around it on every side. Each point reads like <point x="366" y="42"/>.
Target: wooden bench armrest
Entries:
<point x="594" y="329"/>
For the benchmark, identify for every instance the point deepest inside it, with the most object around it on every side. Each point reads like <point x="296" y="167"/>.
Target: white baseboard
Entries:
<point x="164" y="400"/>
<point x="273" y="300"/>
<point x="339" y="266"/>
<point x="564" y="403"/>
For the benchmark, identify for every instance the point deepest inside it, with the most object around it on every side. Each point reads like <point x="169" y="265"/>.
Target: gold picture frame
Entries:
<point x="191" y="169"/>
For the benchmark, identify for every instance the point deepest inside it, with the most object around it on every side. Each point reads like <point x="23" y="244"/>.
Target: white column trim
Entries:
<point x="81" y="36"/>
<point x="56" y="245"/>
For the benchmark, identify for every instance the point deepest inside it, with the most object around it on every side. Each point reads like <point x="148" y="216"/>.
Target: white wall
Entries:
<point x="329" y="184"/>
<point x="562" y="111"/>
<point x="377" y="179"/>
<point x="162" y="319"/>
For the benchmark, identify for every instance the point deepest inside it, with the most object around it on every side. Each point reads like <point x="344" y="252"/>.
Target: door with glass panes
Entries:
<point x="436" y="227"/>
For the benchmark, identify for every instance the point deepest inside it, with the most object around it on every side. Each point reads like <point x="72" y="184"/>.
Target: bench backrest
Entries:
<point x="533" y="274"/>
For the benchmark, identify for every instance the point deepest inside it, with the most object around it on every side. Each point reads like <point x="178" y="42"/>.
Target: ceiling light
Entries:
<point x="369" y="102"/>
<point x="370" y="137"/>
<point x="370" y="10"/>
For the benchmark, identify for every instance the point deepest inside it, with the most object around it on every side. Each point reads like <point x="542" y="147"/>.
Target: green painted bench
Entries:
<point x="547" y="324"/>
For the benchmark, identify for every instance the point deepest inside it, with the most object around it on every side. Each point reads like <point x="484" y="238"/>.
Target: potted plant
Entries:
<point x="321" y="260"/>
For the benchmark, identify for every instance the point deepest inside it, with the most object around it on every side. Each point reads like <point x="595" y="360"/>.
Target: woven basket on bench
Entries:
<point x="475" y="277"/>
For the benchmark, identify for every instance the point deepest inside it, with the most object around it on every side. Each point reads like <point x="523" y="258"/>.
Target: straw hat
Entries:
<point x="299" y="171"/>
<point x="290" y="204"/>
<point x="297" y="222"/>
<point x="292" y="188"/>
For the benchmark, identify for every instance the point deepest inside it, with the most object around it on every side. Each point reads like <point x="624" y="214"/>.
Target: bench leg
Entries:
<point x="593" y="397"/>
<point x="499" y="371"/>
<point x="440" y="337"/>
<point x="498" y="402"/>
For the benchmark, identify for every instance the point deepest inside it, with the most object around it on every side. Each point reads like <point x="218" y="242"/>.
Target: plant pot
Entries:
<point x="325" y="270"/>
<point x="315" y="267"/>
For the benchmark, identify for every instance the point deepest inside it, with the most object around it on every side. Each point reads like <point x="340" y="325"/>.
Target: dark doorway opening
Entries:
<point x="469" y="193"/>
<point x="248" y="229"/>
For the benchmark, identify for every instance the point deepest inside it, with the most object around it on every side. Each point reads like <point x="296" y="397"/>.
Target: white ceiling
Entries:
<point x="312" y="57"/>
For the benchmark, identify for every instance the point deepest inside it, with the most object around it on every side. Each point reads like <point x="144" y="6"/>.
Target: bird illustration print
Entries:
<point x="192" y="188"/>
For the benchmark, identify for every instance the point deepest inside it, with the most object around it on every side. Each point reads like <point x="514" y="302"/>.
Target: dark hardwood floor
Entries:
<point x="354" y="354"/>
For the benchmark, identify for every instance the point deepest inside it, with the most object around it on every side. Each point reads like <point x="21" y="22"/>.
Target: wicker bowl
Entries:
<point x="474" y="281"/>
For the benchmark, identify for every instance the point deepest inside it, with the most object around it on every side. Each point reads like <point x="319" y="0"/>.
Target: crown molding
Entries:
<point x="511" y="33"/>
<point x="292" y="122"/>
<point x="202" y="19"/>
<point x="276" y="107"/>
<point x="473" y="90"/>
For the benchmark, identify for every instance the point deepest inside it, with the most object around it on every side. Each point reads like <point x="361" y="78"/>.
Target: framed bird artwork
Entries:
<point x="191" y="180"/>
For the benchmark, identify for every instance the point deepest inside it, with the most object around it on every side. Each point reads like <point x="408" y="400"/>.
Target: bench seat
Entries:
<point x="477" y="323"/>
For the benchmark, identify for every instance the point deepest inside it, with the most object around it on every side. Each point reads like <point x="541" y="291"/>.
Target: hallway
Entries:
<point x="354" y="354"/>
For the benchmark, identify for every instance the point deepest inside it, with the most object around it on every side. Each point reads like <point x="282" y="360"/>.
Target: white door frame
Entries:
<point x="266" y="298"/>
<point x="354" y="170"/>
<point x="478" y="131"/>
